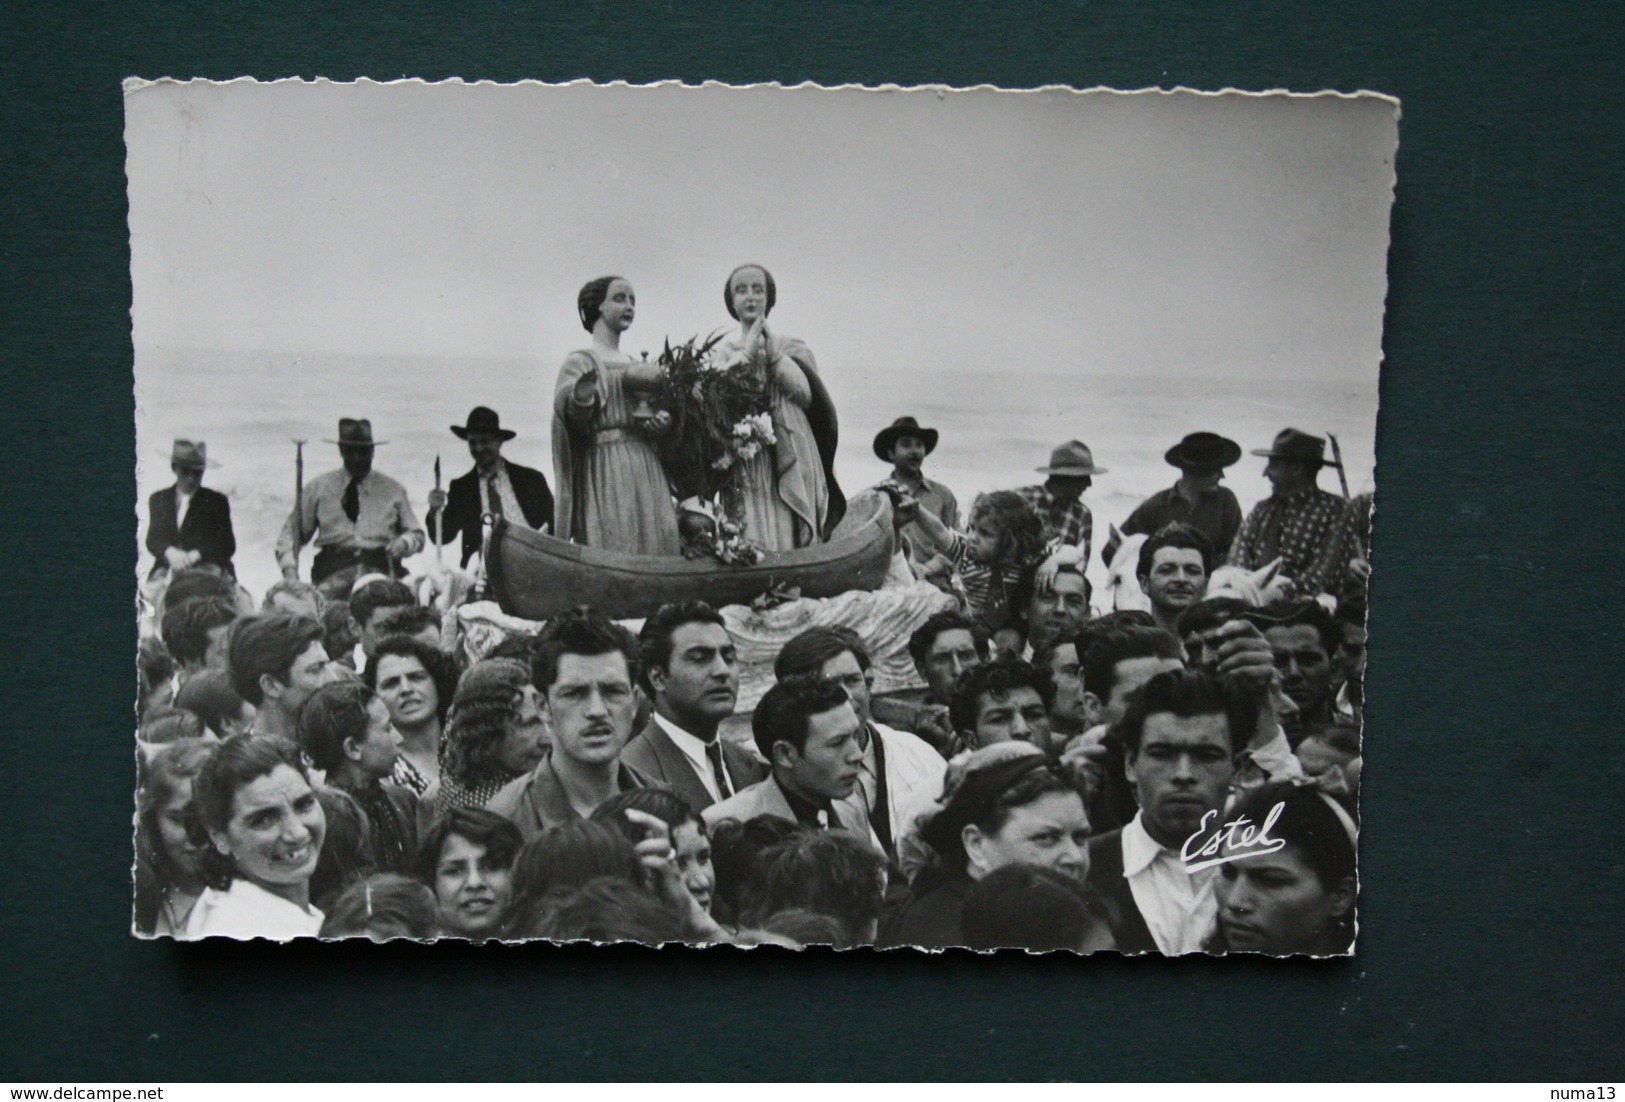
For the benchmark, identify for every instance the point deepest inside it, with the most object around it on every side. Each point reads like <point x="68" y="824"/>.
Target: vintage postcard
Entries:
<point x="905" y="517"/>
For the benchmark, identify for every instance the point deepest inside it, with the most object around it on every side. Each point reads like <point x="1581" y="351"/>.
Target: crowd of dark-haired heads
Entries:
<point x="586" y="783"/>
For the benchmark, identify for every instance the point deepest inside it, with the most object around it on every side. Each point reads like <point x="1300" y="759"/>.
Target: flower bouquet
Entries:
<point x="720" y="419"/>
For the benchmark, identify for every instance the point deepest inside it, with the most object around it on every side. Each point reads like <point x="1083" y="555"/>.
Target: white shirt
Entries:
<point x="1178" y="906"/>
<point x="246" y="910"/>
<point x="183" y="502"/>
<point x="694" y="750"/>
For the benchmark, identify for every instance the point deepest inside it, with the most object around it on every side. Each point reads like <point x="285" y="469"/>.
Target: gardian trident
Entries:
<point x="298" y="502"/>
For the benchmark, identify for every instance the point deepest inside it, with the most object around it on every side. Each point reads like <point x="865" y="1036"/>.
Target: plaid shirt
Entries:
<point x="1067" y="522"/>
<point x="1313" y="534"/>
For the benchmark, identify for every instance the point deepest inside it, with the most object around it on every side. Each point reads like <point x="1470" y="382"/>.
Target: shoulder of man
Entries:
<point x="747" y="803"/>
<point x="907" y="742"/>
<point x="510" y="797"/>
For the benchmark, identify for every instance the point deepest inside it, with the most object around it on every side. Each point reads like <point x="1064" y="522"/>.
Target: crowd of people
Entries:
<point x="1176" y="777"/>
<point x="1173" y="780"/>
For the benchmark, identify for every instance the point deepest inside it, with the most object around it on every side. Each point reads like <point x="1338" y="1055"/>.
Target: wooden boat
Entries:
<point x="536" y="576"/>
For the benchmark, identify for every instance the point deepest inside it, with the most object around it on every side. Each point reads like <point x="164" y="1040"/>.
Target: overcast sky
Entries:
<point x="1173" y="233"/>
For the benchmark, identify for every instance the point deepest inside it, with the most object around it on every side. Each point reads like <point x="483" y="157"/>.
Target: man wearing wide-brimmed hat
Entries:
<point x="495" y="486"/>
<point x="904" y="444"/>
<point x="1310" y="530"/>
<point x="362" y="520"/>
<point x="1196" y="499"/>
<point x="188" y="525"/>
<point x="1059" y="501"/>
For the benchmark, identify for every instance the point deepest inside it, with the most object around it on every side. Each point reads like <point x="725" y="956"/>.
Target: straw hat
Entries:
<point x="1293" y="444"/>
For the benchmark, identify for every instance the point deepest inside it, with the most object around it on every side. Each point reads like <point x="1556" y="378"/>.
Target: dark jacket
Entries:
<point x="207" y="529"/>
<point x="1113" y="896"/>
<point x="929" y="917"/>
<point x="653" y="754"/>
<point x="462" y="513"/>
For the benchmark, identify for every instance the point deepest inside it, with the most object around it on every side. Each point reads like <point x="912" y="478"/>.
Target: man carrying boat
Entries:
<point x="494" y="486"/>
<point x="361" y="520"/>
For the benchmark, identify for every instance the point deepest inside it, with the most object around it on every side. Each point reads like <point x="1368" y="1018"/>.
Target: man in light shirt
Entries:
<point x="1183" y="731"/>
<point x="691" y="674"/>
<point x="361" y="519"/>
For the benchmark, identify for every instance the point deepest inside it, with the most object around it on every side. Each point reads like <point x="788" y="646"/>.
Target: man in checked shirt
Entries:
<point x="1310" y="530"/>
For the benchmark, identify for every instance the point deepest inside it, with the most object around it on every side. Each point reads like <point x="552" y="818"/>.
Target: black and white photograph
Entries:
<point x="922" y="518"/>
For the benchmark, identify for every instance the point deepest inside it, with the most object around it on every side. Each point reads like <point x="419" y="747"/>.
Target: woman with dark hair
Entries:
<point x="1009" y="804"/>
<point x="467" y="859"/>
<point x="266" y="827"/>
<point x="607" y="909"/>
<point x="691" y="843"/>
<point x="565" y="858"/>
<point x="496" y="733"/>
<point x="383" y="907"/>
<point x="1297" y="897"/>
<point x="208" y="694"/>
<point x="790" y="494"/>
<point x="170" y="846"/>
<point x="612" y="490"/>
<point x="736" y="851"/>
<point x="1029" y="907"/>
<point x="416" y="683"/>
<point x="829" y="872"/>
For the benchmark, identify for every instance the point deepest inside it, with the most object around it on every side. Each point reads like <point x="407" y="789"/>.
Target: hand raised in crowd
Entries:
<point x="437" y="500"/>
<point x="400" y="547"/>
<point x="658" y="857"/>
<point x="178" y="559"/>
<point x="1064" y="555"/>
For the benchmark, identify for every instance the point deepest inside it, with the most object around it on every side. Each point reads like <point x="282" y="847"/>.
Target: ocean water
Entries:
<point x="996" y="426"/>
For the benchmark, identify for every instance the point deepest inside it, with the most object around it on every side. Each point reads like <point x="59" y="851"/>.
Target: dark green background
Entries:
<point x="1491" y="933"/>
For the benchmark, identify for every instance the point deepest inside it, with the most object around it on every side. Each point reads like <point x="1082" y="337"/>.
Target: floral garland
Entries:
<point x="720" y="419"/>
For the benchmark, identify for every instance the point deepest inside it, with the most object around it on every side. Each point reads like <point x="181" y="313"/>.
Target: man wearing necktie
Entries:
<point x="362" y="521"/>
<point x="691" y="675"/>
<point x="900" y="774"/>
<point x="808" y="731"/>
<point x="495" y="485"/>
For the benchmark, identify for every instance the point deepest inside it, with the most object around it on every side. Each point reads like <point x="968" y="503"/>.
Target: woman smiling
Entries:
<point x="266" y="828"/>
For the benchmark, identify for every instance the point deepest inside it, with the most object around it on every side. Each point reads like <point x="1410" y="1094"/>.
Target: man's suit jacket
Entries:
<point x="653" y="754"/>
<point x="207" y="528"/>
<point x="1111" y="891"/>
<point x="462" y="513"/>
<point x="765" y="797"/>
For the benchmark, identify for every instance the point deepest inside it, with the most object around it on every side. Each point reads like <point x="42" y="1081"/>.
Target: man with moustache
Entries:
<point x="361" y="520"/>
<point x="495" y="485"/>
<point x="1173" y="571"/>
<point x="1310" y="530"/>
<point x="1181" y="734"/>
<point x="808" y="730"/>
<point x="691" y="674"/>
<point x="585" y="667"/>
<point x="905" y="444"/>
<point x="1196" y="499"/>
<point x="900" y="774"/>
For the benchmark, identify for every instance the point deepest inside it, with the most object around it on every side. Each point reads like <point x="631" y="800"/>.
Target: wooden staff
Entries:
<point x="439" y="517"/>
<point x="1337" y="457"/>
<point x="298" y="502"/>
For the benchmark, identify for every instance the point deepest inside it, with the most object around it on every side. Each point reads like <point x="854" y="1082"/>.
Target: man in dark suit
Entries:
<point x="187" y="525"/>
<point x="691" y="673"/>
<point x="493" y="486"/>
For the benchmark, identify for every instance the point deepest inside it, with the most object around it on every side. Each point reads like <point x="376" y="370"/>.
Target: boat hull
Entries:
<point x="536" y="576"/>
